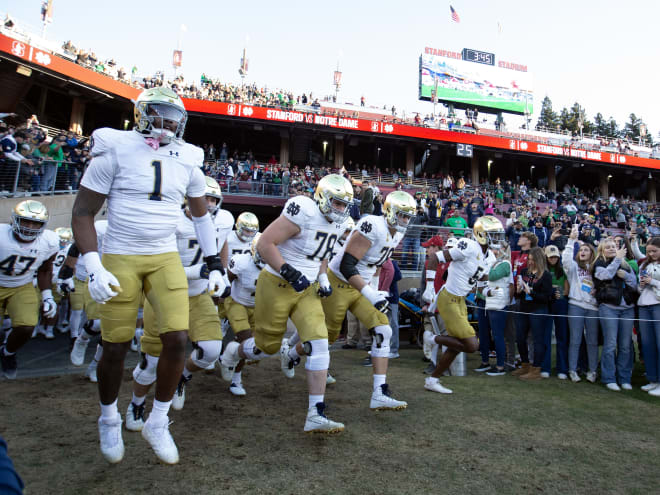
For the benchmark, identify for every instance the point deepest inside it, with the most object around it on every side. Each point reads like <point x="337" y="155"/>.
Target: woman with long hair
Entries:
<point x="498" y="292"/>
<point x="558" y="310"/>
<point x="534" y="290"/>
<point x="649" y="309"/>
<point x="616" y="293"/>
<point x="582" y="306"/>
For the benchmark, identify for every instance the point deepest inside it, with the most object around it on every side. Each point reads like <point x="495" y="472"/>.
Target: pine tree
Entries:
<point x="600" y="125"/>
<point x="547" y="117"/>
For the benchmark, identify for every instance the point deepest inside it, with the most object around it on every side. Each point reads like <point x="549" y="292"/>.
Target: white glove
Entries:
<point x="65" y="286"/>
<point x="102" y="283"/>
<point x="325" y="289"/>
<point x="376" y="297"/>
<point x="196" y="272"/>
<point x="48" y="303"/>
<point x="217" y="283"/>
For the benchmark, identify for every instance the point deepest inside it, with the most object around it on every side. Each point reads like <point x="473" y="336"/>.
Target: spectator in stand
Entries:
<point x="410" y="258"/>
<point x="616" y="293"/>
<point x="367" y="200"/>
<point x="456" y="221"/>
<point x="12" y="158"/>
<point x="434" y="209"/>
<point x="473" y="213"/>
<point x="256" y="180"/>
<point x="534" y="289"/>
<point x="540" y="232"/>
<point x="514" y="232"/>
<point x="558" y="310"/>
<point x="55" y="159"/>
<point x="286" y="177"/>
<point x="224" y="152"/>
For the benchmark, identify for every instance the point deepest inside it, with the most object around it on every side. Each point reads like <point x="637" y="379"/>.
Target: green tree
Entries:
<point x="565" y="119"/>
<point x="547" y="117"/>
<point x="632" y="128"/>
<point x="600" y="125"/>
<point x="612" y="128"/>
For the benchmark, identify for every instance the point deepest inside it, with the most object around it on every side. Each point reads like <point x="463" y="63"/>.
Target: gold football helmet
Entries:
<point x="488" y="231"/>
<point x="65" y="234"/>
<point x="213" y="190"/>
<point x="32" y="211"/>
<point x="256" y="257"/>
<point x="330" y="189"/>
<point x="247" y="226"/>
<point x="159" y="113"/>
<point x="399" y="208"/>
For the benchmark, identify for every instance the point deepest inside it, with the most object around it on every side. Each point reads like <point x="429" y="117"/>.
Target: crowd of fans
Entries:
<point x="32" y="161"/>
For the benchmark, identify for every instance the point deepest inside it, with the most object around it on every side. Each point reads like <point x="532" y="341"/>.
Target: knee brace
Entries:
<point x="381" y="344"/>
<point x="205" y="352"/>
<point x="252" y="352"/>
<point x="318" y="356"/>
<point x="145" y="371"/>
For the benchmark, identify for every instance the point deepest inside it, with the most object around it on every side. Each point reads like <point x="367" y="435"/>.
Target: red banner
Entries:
<point x="105" y="83"/>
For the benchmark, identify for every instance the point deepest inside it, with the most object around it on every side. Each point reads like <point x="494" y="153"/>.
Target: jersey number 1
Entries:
<point x="158" y="179"/>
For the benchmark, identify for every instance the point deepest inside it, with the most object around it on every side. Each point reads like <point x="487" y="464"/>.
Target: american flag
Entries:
<point x="454" y="14"/>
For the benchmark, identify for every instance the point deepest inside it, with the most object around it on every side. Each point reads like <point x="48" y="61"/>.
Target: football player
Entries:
<point x="243" y="272"/>
<point x="468" y="264"/>
<point x="46" y="327"/>
<point x="144" y="174"/>
<point x="295" y="248"/>
<point x="240" y="240"/>
<point x="204" y="332"/>
<point x="353" y="274"/>
<point x="26" y="249"/>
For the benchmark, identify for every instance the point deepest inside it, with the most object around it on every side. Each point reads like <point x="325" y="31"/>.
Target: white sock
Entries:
<point x="99" y="353"/>
<point x="434" y="354"/>
<point x="293" y="353"/>
<point x="378" y="381"/>
<point x="138" y="401"/>
<point x="74" y="322"/>
<point x="186" y="372"/>
<point x="315" y="399"/>
<point x="50" y="327"/>
<point x="6" y="324"/>
<point x="236" y="377"/>
<point x="159" y="411"/>
<point x="432" y="379"/>
<point x="96" y="325"/>
<point x="109" y="412"/>
<point x="294" y="339"/>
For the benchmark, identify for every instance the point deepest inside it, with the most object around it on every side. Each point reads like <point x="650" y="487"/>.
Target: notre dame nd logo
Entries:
<point x="366" y="227"/>
<point x="293" y="209"/>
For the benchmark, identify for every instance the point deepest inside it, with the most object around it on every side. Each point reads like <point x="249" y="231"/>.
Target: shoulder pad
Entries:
<point x="224" y="219"/>
<point x="104" y="139"/>
<point x="298" y="209"/>
<point x="370" y="227"/>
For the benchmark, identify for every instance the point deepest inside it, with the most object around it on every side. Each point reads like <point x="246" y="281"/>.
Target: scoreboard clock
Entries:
<point x="479" y="57"/>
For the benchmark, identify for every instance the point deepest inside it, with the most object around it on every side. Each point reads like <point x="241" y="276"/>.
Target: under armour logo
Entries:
<point x="174" y="153"/>
<point x="366" y="227"/>
<point x="293" y="209"/>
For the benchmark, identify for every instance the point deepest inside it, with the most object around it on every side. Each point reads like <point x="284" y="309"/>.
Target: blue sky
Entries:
<point x="603" y="54"/>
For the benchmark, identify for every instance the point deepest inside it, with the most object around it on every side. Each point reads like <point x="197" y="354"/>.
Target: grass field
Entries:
<point x="493" y="435"/>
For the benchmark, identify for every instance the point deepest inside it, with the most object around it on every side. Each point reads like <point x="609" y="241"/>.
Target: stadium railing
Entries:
<point x="46" y="177"/>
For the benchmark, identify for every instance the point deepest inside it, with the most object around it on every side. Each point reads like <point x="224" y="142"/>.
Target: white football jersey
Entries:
<point x="383" y="244"/>
<point x="19" y="261"/>
<point x="236" y="246"/>
<point x="145" y="189"/>
<point x="244" y="286"/>
<point x="60" y="257"/>
<point x="101" y="227"/>
<point x="315" y="241"/>
<point x="467" y="266"/>
<point x="189" y="250"/>
<point x="224" y="222"/>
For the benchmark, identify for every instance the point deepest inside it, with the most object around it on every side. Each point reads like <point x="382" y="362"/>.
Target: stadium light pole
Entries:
<point x="182" y="29"/>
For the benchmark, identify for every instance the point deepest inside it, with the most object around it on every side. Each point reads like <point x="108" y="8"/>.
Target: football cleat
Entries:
<point x="63" y="327"/>
<point x="49" y="333"/>
<point x="135" y="417"/>
<point x="78" y="351"/>
<point x="288" y="365"/>
<point x="179" y="398"/>
<point x="330" y="380"/>
<point x="9" y="364"/>
<point x="382" y="400"/>
<point x="38" y="330"/>
<point x="112" y="444"/>
<point x="210" y="368"/>
<point x="161" y="441"/>
<point x="318" y="422"/>
<point x="229" y="361"/>
<point x="91" y="371"/>
<point x="433" y="385"/>
<point x="237" y="389"/>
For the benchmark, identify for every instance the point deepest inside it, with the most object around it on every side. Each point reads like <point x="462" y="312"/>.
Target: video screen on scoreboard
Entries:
<point x="466" y="83"/>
